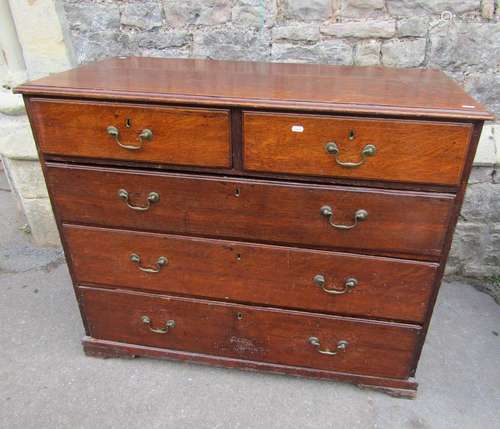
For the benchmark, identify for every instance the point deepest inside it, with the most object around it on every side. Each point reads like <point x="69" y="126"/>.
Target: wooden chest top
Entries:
<point x="311" y="87"/>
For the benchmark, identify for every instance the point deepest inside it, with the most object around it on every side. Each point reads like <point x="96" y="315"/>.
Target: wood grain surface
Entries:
<point x="252" y="273"/>
<point x="406" y="151"/>
<point x="197" y="137"/>
<point x="270" y="335"/>
<point x="396" y="387"/>
<point x="317" y="87"/>
<point x="399" y="222"/>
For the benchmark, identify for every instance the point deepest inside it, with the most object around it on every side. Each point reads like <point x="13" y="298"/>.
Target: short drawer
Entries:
<point x="119" y="131"/>
<point x="365" y="149"/>
<point x="252" y="333"/>
<point x="251" y="273"/>
<point x="260" y="211"/>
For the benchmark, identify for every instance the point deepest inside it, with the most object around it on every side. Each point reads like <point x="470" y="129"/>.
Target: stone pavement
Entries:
<point x="47" y="382"/>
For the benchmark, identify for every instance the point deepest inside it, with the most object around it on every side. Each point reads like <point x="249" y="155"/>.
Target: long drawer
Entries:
<point x="132" y="132"/>
<point x="357" y="148"/>
<point x="269" y="335"/>
<point x="307" y="215"/>
<point x="251" y="273"/>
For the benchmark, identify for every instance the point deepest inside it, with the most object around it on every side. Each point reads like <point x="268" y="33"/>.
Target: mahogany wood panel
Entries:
<point x="372" y="90"/>
<point x="183" y="136"/>
<point x="406" y="151"/>
<point x="251" y="273"/>
<point x="269" y="335"/>
<point x="407" y="222"/>
<point x="400" y="388"/>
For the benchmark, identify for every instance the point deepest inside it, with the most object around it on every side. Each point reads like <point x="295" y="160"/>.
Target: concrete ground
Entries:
<point x="47" y="382"/>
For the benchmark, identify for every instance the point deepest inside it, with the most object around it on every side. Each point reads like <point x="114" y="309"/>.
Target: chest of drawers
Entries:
<point x="278" y="217"/>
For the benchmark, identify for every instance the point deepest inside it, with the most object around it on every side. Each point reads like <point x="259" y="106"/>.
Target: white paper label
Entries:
<point x="297" y="128"/>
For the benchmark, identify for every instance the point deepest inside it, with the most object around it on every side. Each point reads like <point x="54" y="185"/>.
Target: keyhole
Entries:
<point x="237" y="192"/>
<point x="238" y="257"/>
<point x="352" y="135"/>
<point x="128" y="123"/>
<point x="239" y="315"/>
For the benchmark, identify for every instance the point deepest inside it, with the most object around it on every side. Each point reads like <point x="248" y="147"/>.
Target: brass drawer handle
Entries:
<point x="359" y="216"/>
<point x="350" y="283"/>
<point x="153" y="197"/>
<point x="169" y="324"/>
<point x="161" y="262"/>
<point x="145" y="134"/>
<point x="332" y="149"/>
<point x="341" y="346"/>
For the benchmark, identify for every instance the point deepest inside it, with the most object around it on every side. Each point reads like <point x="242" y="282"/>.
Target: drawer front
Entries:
<point x="167" y="135"/>
<point x="398" y="222"/>
<point x="251" y="273"/>
<point x="367" y="149"/>
<point x="268" y="335"/>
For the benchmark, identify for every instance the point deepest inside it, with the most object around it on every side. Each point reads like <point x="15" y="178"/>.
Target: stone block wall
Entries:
<point x="476" y="245"/>
<point x="32" y="44"/>
<point x="460" y="37"/>
<point x="23" y="171"/>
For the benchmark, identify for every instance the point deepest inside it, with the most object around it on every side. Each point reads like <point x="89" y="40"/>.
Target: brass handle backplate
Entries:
<point x="341" y="346"/>
<point x="359" y="215"/>
<point x="146" y="134"/>
<point x="161" y="262"/>
<point x="332" y="149"/>
<point x="169" y="324"/>
<point x="349" y="284"/>
<point x="153" y="197"/>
